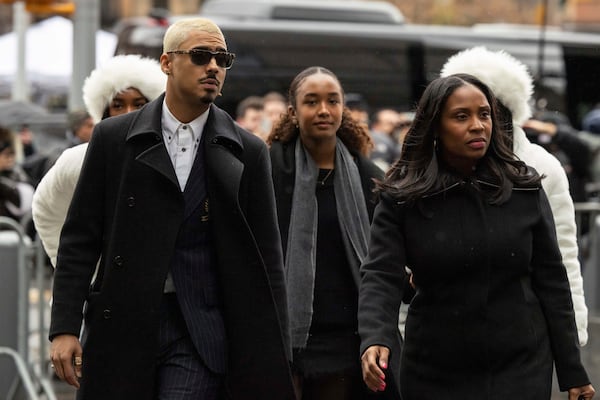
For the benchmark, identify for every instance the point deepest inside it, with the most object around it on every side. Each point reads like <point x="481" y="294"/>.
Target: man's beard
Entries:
<point x="207" y="99"/>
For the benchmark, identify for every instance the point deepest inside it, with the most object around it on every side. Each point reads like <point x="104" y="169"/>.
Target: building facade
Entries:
<point x="572" y="14"/>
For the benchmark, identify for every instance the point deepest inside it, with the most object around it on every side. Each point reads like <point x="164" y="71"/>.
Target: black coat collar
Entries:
<point x="219" y="128"/>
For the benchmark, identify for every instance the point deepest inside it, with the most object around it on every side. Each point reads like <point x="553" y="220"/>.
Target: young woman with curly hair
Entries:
<point x="324" y="194"/>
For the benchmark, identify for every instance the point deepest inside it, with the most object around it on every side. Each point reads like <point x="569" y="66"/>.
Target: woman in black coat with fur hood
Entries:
<point x="492" y="312"/>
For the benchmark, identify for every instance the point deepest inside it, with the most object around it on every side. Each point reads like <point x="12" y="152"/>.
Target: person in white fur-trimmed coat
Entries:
<point x="124" y="83"/>
<point x="512" y="84"/>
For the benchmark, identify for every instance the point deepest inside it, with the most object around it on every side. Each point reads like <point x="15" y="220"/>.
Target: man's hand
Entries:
<point x="582" y="393"/>
<point x="66" y="356"/>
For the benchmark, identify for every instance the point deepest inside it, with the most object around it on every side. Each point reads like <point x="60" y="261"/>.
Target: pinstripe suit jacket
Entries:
<point x="194" y="272"/>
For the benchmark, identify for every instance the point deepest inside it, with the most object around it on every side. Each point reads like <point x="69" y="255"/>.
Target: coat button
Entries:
<point x="106" y="314"/>
<point x="131" y="201"/>
<point x="118" y="260"/>
<point x="215" y="140"/>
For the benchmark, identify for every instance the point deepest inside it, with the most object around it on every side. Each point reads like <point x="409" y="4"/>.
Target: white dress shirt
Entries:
<point x="182" y="142"/>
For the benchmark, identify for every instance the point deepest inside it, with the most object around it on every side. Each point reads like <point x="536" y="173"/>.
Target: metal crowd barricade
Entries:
<point x="588" y="238"/>
<point x="19" y="257"/>
<point x="23" y="372"/>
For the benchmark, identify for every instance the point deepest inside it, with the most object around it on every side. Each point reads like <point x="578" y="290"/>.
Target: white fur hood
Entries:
<point x="120" y="73"/>
<point x="506" y="76"/>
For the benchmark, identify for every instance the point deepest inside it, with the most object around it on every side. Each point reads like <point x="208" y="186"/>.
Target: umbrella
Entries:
<point x="14" y="113"/>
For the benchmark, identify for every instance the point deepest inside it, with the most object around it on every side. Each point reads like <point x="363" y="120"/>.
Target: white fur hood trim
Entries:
<point x="120" y="73"/>
<point x="506" y="76"/>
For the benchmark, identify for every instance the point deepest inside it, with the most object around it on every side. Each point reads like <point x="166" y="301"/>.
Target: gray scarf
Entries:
<point x="300" y="260"/>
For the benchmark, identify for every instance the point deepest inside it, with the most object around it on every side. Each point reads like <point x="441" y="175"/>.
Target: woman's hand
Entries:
<point x="374" y="361"/>
<point x="582" y="393"/>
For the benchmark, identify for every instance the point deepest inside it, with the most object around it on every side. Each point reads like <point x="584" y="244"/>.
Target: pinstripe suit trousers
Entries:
<point x="181" y="373"/>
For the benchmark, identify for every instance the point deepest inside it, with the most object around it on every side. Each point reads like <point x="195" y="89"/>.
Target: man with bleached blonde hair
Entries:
<point x="176" y="200"/>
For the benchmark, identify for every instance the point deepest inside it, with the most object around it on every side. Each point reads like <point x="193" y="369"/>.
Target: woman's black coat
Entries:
<point x="493" y="308"/>
<point x="284" y="169"/>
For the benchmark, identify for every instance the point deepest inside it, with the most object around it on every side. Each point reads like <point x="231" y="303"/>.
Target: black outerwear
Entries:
<point x="128" y="207"/>
<point x="492" y="308"/>
<point x="283" y="163"/>
<point x="284" y="172"/>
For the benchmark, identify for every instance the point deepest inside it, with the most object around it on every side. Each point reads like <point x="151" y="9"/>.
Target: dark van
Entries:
<point x="373" y="51"/>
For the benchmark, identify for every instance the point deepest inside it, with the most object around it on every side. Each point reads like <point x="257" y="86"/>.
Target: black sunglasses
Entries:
<point x="224" y="59"/>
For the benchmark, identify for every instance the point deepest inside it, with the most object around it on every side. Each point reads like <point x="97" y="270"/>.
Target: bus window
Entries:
<point x="388" y="64"/>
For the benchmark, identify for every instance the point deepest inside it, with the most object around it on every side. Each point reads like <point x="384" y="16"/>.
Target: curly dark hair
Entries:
<point x="418" y="171"/>
<point x="354" y="135"/>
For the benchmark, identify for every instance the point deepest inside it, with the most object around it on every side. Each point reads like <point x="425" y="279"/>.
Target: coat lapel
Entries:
<point x="148" y="123"/>
<point x="223" y="149"/>
<point x="157" y="158"/>
<point x="222" y="146"/>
